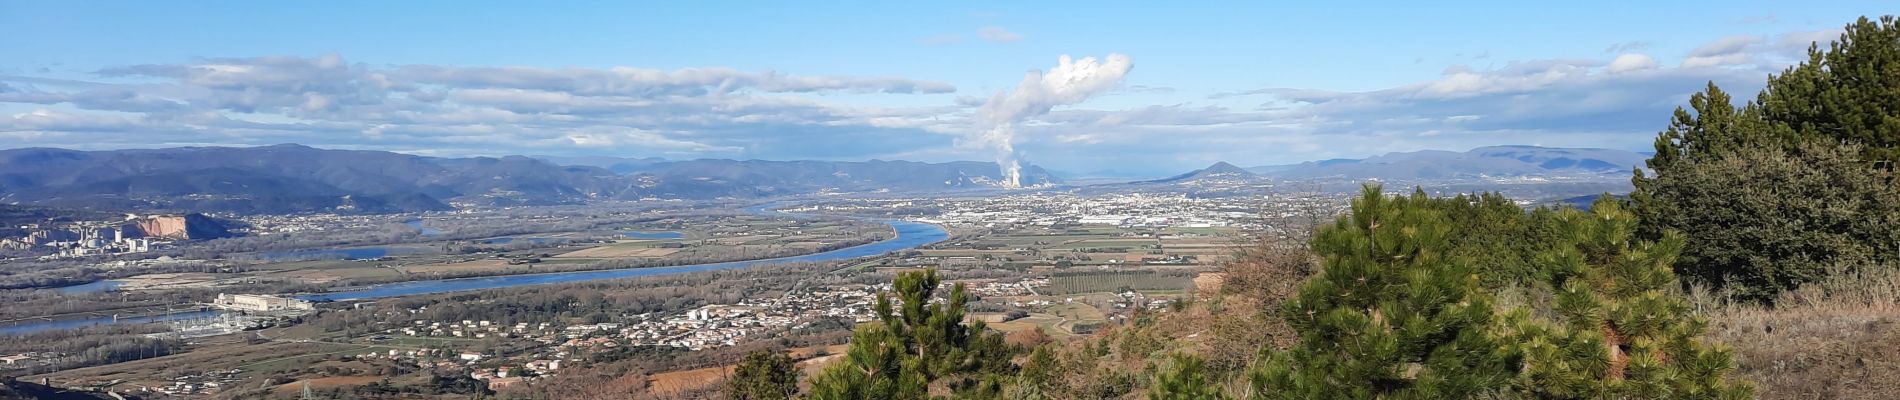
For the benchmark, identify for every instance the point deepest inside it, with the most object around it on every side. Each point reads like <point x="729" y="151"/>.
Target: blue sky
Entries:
<point x="1244" y="82"/>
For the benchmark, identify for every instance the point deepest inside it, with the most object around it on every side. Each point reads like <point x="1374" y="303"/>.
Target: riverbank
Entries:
<point x="905" y="235"/>
<point x="909" y="235"/>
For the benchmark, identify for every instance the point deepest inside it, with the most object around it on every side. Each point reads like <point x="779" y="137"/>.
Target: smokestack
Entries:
<point x="1069" y="83"/>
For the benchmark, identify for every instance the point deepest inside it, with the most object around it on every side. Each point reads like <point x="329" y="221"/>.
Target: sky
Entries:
<point x="1086" y="88"/>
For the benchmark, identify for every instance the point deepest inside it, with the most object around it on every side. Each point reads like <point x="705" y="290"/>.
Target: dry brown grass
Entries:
<point x="686" y="381"/>
<point x="709" y="380"/>
<point x="1834" y="339"/>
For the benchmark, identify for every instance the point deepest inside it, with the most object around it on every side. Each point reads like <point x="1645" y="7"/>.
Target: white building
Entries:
<point x="253" y="302"/>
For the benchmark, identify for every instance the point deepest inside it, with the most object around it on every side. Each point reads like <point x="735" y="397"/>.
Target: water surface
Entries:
<point x="652" y="235"/>
<point x="909" y="235"/>
<point x="30" y="326"/>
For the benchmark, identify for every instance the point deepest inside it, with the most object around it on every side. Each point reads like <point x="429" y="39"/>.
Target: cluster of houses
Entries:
<point x="474" y="329"/>
<point x="507" y="376"/>
<point x="1122" y="210"/>
<point x="991" y="288"/>
<point x="705" y="327"/>
<point x="196" y="384"/>
<point x="722" y="325"/>
<point x="498" y="372"/>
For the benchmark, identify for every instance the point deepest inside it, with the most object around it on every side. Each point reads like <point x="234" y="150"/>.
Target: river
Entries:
<point x="18" y="328"/>
<point x="910" y="235"/>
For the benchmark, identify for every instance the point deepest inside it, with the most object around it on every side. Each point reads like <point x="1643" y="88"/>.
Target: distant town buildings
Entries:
<point x="133" y="234"/>
<point x="1127" y="210"/>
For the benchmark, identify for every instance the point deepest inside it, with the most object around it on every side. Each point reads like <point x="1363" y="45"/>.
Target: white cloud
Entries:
<point x="1619" y="99"/>
<point x="1732" y="50"/>
<point x="1799" y="41"/>
<point x="327" y="101"/>
<point x="654" y="82"/>
<point x="1615" y="102"/>
<point x="45" y="119"/>
<point x="1631" y="62"/>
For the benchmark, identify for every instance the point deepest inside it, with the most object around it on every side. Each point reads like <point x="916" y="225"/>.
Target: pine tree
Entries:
<point x="763" y="375"/>
<point x="1039" y="370"/>
<point x="1848" y="92"/>
<point x="1185" y="379"/>
<point x="1762" y="193"/>
<point x="1388" y="315"/>
<point x="1493" y="234"/>
<point x="875" y="367"/>
<point x="915" y="343"/>
<point x="1622" y="331"/>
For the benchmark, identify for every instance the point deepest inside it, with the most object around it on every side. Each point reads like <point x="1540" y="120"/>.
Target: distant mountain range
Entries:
<point x="620" y="165"/>
<point x="1480" y="163"/>
<point x="295" y="178"/>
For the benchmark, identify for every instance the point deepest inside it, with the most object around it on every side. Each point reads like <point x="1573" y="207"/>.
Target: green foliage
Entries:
<point x="1140" y="343"/>
<point x="1774" y="193"/>
<point x="914" y="344"/>
<point x="1185" y="379"/>
<point x="1039" y="371"/>
<point x="1396" y="313"/>
<point x="1620" y="329"/>
<point x="1495" y="236"/>
<point x="763" y="375"/>
<point x="1389" y="315"/>
<point x="1768" y="220"/>
<point x="1849" y="92"/>
<point x="875" y="367"/>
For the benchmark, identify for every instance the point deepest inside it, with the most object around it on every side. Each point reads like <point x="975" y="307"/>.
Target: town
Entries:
<point x="132" y="234"/>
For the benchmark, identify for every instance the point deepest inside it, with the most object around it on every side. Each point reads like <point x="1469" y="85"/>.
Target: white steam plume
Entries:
<point x="1070" y="82"/>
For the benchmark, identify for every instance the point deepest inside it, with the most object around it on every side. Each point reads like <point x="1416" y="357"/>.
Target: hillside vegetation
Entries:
<point x="1756" y="259"/>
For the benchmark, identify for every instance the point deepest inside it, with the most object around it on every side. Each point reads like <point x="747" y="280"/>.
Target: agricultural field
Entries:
<point x="1094" y="274"/>
<point x="1086" y="246"/>
<point x="1140" y="281"/>
<point x="1065" y="317"/>
<point x="253" y="361"/>
<point x="663" y="242"/>
<point x="620" y="249"/>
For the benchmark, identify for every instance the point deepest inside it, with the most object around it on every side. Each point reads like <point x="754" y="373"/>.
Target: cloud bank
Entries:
<point x="1617" y="98"/>
<point x="448" y="110"/>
